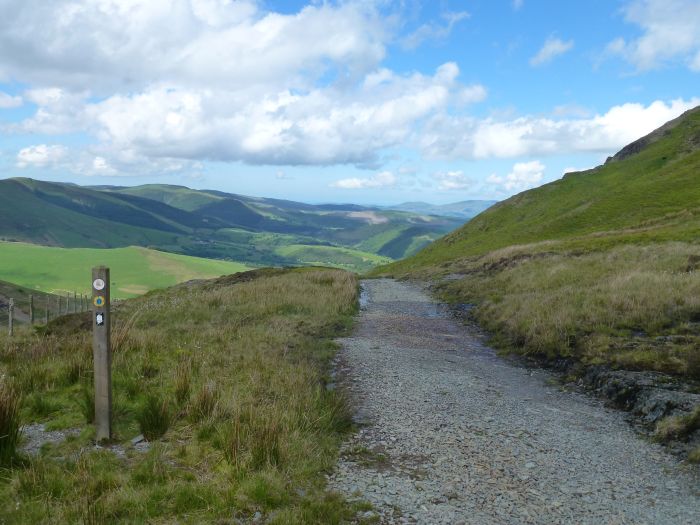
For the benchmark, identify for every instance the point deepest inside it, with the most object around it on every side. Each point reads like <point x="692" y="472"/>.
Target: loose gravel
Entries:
<point x="451" y="433"/>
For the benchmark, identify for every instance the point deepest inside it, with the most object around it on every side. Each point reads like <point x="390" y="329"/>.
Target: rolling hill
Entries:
<point x="211" y="224"/>
<point x="600" y="267"/>
<point x="134" y="270"/>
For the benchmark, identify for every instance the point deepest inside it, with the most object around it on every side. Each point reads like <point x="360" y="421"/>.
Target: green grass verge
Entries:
<point x="634" y="307"/>
<point x="134" y="270"/>
<point x="231" y="372"/>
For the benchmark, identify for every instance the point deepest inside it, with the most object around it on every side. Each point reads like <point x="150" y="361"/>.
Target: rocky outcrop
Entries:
<point x="648" y="395"/>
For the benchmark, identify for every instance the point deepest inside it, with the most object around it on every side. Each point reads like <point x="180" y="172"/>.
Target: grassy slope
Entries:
<point x="602" y="266"/>
<point x="240" y="365"/>
<point x="134" y="270"/>
<point x="30" y="212"/>
<point x="177" y="196"/>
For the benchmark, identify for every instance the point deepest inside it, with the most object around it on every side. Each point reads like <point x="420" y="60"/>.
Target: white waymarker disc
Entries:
<point x="98" y="284"/>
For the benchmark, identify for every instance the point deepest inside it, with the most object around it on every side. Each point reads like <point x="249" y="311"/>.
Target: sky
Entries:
<point x="364" y="101"/>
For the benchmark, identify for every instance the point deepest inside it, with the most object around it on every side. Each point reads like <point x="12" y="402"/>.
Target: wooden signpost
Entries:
<point x="102" y="353"/>
<point x="11" y="318"/>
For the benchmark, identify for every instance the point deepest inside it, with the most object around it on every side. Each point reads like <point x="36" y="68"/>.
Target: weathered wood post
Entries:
<point x="102" y="354"/>
<point x="47" y="314"/>
<point x="75" y="303"/>
<point x="58" y="305"/>
<point x="11" y="317"/>
<point x="31" y="309"/>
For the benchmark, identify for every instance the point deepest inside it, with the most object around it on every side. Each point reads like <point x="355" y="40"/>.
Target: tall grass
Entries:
<point x="241" y="361"/>
<point x="9" y="421"/>
<point x="633" y="306"/>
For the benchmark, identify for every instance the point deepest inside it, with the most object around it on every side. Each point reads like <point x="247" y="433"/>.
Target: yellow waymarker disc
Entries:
<point x="99" y="301"/>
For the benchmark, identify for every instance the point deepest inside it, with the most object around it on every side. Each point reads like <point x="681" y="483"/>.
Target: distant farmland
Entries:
<point x="134" y="270"/>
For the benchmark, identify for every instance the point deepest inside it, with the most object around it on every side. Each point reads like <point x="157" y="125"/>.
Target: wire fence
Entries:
<point x="41" y="307"/>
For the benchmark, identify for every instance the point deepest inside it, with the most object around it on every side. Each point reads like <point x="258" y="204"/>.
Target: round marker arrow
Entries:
<point x="99" y="301"/>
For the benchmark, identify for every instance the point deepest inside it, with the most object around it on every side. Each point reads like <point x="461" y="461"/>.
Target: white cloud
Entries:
<point x="524" y="175"/>
<point x="471" y="94"/>
<point x="670" y="31"/>
<point x="322" y="126"/>
<point x="449" y="137"/>
<point x="452" y="180"/>
<point x="433" y="30"/>
<point x="385" y="179"/>
<point x="9" y="101"/>
<point x="552" y="48"/>
<point x="40" y="156"/>
<point x="105" y="45"/>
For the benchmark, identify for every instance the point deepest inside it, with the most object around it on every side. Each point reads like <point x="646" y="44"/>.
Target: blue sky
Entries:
<point x="358" y="101"/>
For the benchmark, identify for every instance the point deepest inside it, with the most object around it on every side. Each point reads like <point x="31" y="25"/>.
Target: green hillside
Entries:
<point x="602" y="266"/>
<point x="652" y="195"/>
<point x="134" y="271"/>
<point x="210" y="224"/>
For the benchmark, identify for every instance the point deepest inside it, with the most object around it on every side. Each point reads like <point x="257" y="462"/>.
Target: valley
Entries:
<point x="213" y="224"/>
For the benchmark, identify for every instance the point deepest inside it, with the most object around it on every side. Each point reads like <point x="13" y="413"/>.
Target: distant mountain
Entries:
<point x="212" y="224"/>
<point x="461" y="210"/>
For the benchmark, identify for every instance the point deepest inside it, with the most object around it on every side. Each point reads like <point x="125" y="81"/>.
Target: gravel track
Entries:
<point x="453" y="434"/>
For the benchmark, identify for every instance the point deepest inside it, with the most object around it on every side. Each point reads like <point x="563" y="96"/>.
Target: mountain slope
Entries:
<point x="651" y="191"/>
<point x="71" y="216"/>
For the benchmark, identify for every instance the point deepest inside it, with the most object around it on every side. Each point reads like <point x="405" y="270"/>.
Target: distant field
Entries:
<point x="134" y="270"/>
<point x="333" y="256"/>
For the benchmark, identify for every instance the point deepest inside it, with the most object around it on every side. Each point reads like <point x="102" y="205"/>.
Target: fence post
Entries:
<point x="31" y="309"/>
<point x="48" y="307"/>
<point x="10" y="318"/>
<point x="102" y="355"/>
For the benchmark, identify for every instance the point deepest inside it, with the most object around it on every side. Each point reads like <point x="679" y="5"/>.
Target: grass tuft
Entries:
<point x="678" y="427"/>
<point x="9" y="422"/>
<point x="182" y="382"/>
<point x="154" y="417"/>
<point x="205" y="402"/>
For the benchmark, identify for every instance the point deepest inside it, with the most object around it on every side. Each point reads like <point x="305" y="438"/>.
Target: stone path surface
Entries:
<point x="453" y="434"/>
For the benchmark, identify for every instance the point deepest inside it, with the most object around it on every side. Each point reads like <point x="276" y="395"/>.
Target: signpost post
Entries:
<point x="11" y="318"/>
<point x="102" y="354"/>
